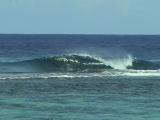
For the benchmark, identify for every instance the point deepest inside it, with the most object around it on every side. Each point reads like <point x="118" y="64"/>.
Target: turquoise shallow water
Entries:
<point x="95" y="98"/>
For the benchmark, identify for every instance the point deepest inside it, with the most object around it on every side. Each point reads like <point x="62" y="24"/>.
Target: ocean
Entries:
<point x="79" y="77"/>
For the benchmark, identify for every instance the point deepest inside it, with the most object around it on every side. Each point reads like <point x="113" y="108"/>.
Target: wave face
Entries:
<point x="78" y="63"/>
<point x="66" y="63"/>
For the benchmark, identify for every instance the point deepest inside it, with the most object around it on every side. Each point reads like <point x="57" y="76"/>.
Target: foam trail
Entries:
<point x="141" y="73"/>
<point x="109" y="73"/>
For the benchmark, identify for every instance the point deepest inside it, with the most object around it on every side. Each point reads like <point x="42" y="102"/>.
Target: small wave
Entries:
<point x="144" y="65"/>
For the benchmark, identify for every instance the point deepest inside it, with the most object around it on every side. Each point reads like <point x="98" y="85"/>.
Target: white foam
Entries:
<point x="120" y="63"/>
<point x="109" y="73"/>
<point x="144" y="73"/>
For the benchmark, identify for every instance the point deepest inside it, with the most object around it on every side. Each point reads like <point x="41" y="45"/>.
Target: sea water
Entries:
<point x="79" y="77"/>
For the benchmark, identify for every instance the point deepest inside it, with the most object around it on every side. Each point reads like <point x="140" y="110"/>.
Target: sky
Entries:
<point x="80" y="16"/>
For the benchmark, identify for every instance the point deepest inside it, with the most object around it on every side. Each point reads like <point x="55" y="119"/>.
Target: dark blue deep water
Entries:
<point x="79" y="77"/>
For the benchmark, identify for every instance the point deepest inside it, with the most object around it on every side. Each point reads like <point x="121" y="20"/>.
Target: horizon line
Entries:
<point x="78" y="34"/>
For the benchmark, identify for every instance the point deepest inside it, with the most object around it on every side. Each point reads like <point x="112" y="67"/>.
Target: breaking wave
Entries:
<point x="78" y="63"/>
<point x="71" y="66"/>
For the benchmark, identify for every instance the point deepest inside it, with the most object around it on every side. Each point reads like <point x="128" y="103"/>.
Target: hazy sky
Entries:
<point x="80" y="16"/>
